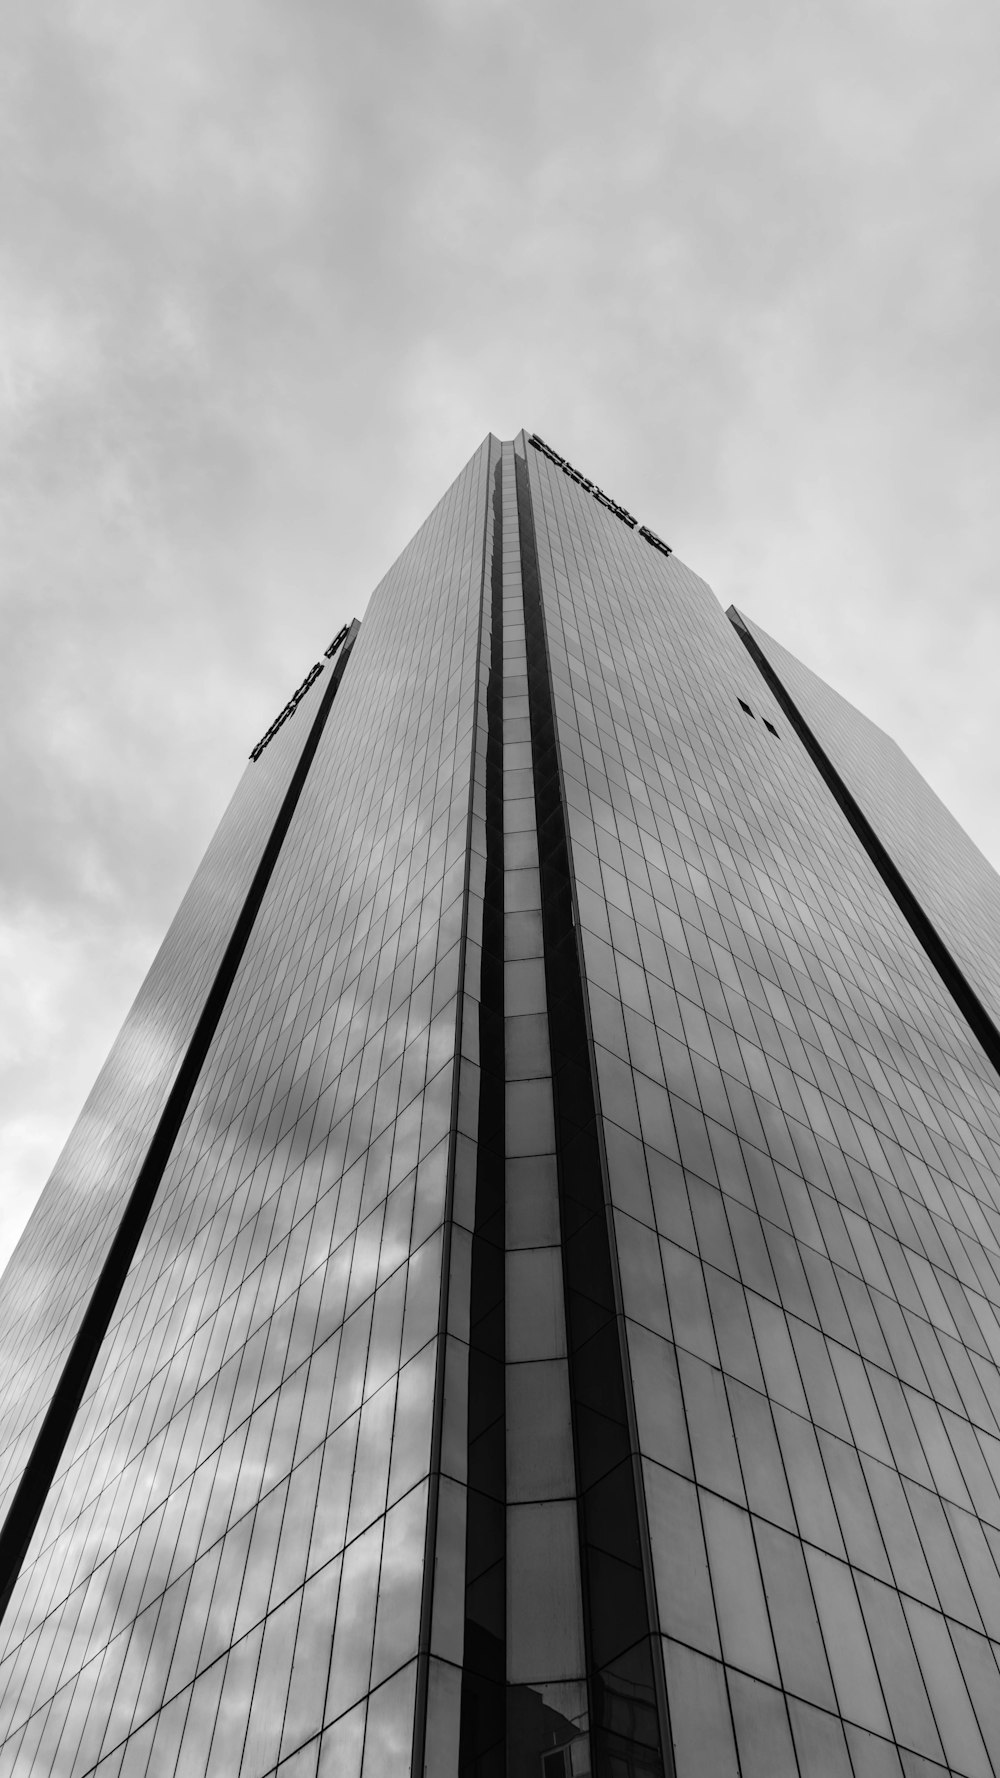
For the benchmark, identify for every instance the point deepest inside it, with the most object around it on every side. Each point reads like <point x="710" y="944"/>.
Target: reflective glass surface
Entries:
<point x="801" y="1142"/>
<point x="957" y="888"/>
<point x="48" y="1281"/>
<point x="231" y="1557"/>
<point x="566" y="1335"/>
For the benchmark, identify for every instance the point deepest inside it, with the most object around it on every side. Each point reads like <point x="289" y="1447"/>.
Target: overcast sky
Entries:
<point x="268" y="274"/>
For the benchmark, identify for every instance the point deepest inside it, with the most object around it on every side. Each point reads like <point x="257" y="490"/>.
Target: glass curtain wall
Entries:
<point x="951" y="879"/>
<point x="231" y="1555"/>
<point x="565" y="1337"/>
<point x="801" y="1141"/>
<point x="50" y="1277"/>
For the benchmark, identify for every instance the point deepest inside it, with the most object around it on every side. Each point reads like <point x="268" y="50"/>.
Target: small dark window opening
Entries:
<point x="770" y="725"/>
<point x="745" y="707"/>
<point x="556" y="1765"/>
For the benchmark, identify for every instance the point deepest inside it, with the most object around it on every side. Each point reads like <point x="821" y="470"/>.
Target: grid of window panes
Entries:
<point x="227" y="1571"/>
<point x="47" y="1284"/>
<point x="951" y="879"/>
<point x="802" y="1144"/>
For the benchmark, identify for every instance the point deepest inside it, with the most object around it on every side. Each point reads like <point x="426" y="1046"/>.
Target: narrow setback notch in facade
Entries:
<point x="24" y="1509"/>
<point x="523" y="1297"/>
<point x="622" y="1668"/>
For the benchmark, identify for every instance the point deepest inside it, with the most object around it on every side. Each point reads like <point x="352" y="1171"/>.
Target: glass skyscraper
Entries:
<point x="523" y="1295"/>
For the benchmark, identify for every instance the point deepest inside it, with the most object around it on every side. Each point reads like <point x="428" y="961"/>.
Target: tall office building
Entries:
<point x="523" y="1296"/>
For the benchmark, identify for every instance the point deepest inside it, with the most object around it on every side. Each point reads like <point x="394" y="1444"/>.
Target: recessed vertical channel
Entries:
<point x="626" y="1699"/>
<point x="548" y="1717"/>
<point x="482" y="1730"/>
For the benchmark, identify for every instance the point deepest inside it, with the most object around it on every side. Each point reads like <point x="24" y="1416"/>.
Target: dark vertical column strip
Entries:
<point x="482" y="1752"/>
<point x="418" y="1752"/>
<point x="50" y="1443"/>
<point x="964" y="995"/>
<point x="627" y="1702"/>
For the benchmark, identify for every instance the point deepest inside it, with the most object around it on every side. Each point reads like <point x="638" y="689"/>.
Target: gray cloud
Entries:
<point x="267" y="275"/>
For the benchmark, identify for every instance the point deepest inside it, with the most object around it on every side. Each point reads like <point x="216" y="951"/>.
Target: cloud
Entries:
<point x="269" y="274"/>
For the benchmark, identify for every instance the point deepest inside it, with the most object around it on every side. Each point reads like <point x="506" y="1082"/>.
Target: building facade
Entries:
<point x="523" y="1296"/>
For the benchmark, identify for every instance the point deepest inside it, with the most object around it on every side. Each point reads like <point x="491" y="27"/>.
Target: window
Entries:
<point x="556" y="1764"/>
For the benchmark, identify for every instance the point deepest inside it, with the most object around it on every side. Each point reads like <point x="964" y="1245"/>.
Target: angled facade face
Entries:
<point x="523" y="1297"/>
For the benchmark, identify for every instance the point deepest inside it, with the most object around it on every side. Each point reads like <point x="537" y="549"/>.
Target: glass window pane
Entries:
<point x="700" y="1722"/>
<point x="739" y="1594"/>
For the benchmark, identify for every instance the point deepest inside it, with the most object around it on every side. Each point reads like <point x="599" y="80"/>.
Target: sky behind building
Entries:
<point x="267" y="278"/>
